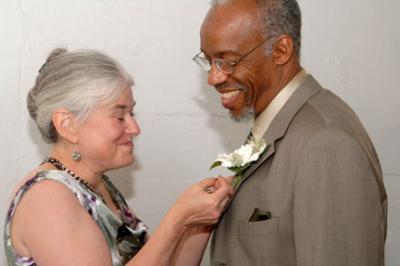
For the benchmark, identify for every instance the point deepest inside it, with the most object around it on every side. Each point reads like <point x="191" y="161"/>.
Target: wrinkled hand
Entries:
<point x="198" y="207"/>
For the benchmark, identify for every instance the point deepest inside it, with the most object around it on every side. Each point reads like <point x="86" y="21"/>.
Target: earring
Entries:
<point x="76" y="156"/>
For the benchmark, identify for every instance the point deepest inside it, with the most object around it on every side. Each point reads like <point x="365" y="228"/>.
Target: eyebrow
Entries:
<point x="123" y="106"/>
<point x="220" y="54"/>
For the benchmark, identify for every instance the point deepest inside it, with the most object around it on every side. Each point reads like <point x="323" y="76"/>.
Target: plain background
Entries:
<point x="351" y="47"/>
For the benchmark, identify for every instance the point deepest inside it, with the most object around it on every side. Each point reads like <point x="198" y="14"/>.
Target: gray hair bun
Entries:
<point x="56" y="52"/>
<point x="31" y="98"/>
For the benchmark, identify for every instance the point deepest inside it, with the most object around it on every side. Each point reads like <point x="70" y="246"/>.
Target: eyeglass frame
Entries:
<point x="219" y="61"/>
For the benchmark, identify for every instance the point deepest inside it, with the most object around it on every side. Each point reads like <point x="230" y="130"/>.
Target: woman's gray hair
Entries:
<point x="77" y="81"/>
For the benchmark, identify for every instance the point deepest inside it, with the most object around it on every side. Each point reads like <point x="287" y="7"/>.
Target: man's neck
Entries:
<point x="265" y="118"/>
<point x="283" y="75"/>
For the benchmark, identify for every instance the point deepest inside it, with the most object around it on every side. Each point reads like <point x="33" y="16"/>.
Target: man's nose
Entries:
<point x="216" y="76"/>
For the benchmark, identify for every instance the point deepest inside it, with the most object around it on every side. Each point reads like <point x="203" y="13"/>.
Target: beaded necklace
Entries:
<point x="60" y="166"/>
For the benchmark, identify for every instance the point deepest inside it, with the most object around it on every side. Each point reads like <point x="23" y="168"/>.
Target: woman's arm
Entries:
<point x="192" y="247"/>
<point x="194" y="243"/>
<point x="195" y="207"/>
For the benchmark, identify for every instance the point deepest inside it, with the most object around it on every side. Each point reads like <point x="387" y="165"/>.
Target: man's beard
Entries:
<point x="246" y="115"/>
<point x="248" y="112"/>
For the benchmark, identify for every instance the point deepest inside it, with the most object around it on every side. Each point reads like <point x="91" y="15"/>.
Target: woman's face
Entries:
<point x="105" y="137"/>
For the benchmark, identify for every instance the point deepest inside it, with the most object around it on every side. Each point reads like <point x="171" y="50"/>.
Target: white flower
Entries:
<point x="239" y="160"/>
<point x="258" y="147"/>
<point x="243" y="156"/>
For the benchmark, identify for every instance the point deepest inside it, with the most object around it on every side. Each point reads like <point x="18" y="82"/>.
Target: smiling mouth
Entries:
<point x="127" y="143"/>
<point x="228" y="98"/>
<point x="229" y="95"/>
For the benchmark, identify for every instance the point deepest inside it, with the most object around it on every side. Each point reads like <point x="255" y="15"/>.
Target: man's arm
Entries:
<point x="338" y="214"/>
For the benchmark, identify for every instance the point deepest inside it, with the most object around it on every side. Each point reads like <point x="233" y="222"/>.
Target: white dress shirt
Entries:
<point x="264" y="119"/>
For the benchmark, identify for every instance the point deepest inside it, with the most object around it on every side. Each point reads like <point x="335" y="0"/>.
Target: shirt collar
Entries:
<point x="264" y="119"/>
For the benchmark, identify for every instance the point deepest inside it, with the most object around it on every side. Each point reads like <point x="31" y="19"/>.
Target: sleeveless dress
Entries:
<point x="125" y="235"/>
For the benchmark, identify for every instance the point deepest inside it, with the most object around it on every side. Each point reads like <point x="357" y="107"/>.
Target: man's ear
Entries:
<point x="66" y="125"/>
<point x="283" y="50"/>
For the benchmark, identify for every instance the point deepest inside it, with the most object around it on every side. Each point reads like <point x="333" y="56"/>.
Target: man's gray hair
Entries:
<point x="77" y="81"/>
<point x="280" y="17"/>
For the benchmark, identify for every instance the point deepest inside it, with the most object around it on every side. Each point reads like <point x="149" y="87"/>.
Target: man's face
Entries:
<point x="229" y="32"/>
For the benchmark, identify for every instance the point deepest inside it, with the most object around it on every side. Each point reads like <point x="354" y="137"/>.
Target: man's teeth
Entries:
<point x="229" y="95"/>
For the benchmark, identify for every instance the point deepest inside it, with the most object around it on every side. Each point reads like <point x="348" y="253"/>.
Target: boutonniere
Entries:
<point x="241" y="159"/>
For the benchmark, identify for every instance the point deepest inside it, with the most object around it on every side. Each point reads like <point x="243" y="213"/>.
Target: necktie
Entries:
<point x="249" y="138"/>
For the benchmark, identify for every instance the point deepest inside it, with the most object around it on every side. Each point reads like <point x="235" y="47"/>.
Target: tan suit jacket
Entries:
<point x="322" y="182"/>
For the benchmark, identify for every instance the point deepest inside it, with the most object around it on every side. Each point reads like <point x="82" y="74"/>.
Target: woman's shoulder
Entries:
<point x="35" y="176"/>
<point x="48" y="211"/>
<point x="46" y="189"/>
<point x="43" y="191"/>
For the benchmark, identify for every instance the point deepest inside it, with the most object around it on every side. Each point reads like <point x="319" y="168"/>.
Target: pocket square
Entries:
<point x="259" y="215"/>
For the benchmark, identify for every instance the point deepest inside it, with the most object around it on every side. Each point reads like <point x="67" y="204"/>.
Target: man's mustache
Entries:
<point x="236" y="85"/>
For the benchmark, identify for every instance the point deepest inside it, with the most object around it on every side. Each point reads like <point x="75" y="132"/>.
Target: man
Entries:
<point x="316" y="197"/>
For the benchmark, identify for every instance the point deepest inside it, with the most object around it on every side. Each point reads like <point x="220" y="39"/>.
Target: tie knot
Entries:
<point x="249" y="138"/>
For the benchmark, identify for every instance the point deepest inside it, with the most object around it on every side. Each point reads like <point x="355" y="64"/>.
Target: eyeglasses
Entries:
<point x="223" y="65"/>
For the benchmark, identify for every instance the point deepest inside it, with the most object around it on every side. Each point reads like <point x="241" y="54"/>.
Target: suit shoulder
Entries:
<point x="325" y="114"/>
<point x="329" y="110"/>
<point x="325" y="110"/>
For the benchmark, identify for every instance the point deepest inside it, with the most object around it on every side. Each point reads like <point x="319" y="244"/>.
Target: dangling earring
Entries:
<point x="76" y="156"/>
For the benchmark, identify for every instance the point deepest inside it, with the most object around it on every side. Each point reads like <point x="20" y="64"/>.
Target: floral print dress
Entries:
<point x="125" y="235"/>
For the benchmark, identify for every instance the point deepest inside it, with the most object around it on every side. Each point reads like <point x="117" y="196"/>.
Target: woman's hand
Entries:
<point x="202" y="203"/>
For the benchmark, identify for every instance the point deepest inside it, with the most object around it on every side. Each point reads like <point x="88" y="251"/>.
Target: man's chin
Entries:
<point x="246" y="115"/>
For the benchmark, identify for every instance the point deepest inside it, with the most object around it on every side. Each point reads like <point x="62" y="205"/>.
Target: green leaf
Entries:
<point x="215" y="164"/>
<point x="235" y="169"/>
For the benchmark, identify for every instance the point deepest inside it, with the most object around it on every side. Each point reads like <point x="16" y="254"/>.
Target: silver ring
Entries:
<point x="209" y="189"/>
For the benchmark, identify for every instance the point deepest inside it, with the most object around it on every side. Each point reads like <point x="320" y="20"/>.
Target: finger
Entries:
<point x="223" y="182"/>
<point x="223" y="192"/>
<point x="207" y="182"/>
<point x="229" y="179"/>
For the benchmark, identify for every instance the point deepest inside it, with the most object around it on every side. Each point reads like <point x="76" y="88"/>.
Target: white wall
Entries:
<point x="351" y="47"/>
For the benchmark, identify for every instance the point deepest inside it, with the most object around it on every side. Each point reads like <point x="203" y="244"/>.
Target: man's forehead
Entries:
<point x="234" y="16"/>
<point x="230" y="24"/>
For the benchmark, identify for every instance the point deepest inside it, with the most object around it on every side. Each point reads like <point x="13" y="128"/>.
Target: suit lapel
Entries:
<point x="281" y="122"/>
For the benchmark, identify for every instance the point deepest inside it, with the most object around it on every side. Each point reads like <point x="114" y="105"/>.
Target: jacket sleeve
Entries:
<point x="338" y="214"/>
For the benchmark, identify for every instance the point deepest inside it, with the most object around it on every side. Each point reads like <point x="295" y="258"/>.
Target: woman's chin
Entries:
<point x="127" y="160"/>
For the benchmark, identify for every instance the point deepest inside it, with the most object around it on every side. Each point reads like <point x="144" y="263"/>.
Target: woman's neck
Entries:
<point x="81" y="168"/>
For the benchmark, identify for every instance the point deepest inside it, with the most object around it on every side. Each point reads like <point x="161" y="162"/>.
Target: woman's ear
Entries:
<point x="283" y="50"/>
<point x="66" y="125"/>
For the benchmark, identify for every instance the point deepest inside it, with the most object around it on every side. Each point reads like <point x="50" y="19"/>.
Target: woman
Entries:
<point x="67" y="212"/>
